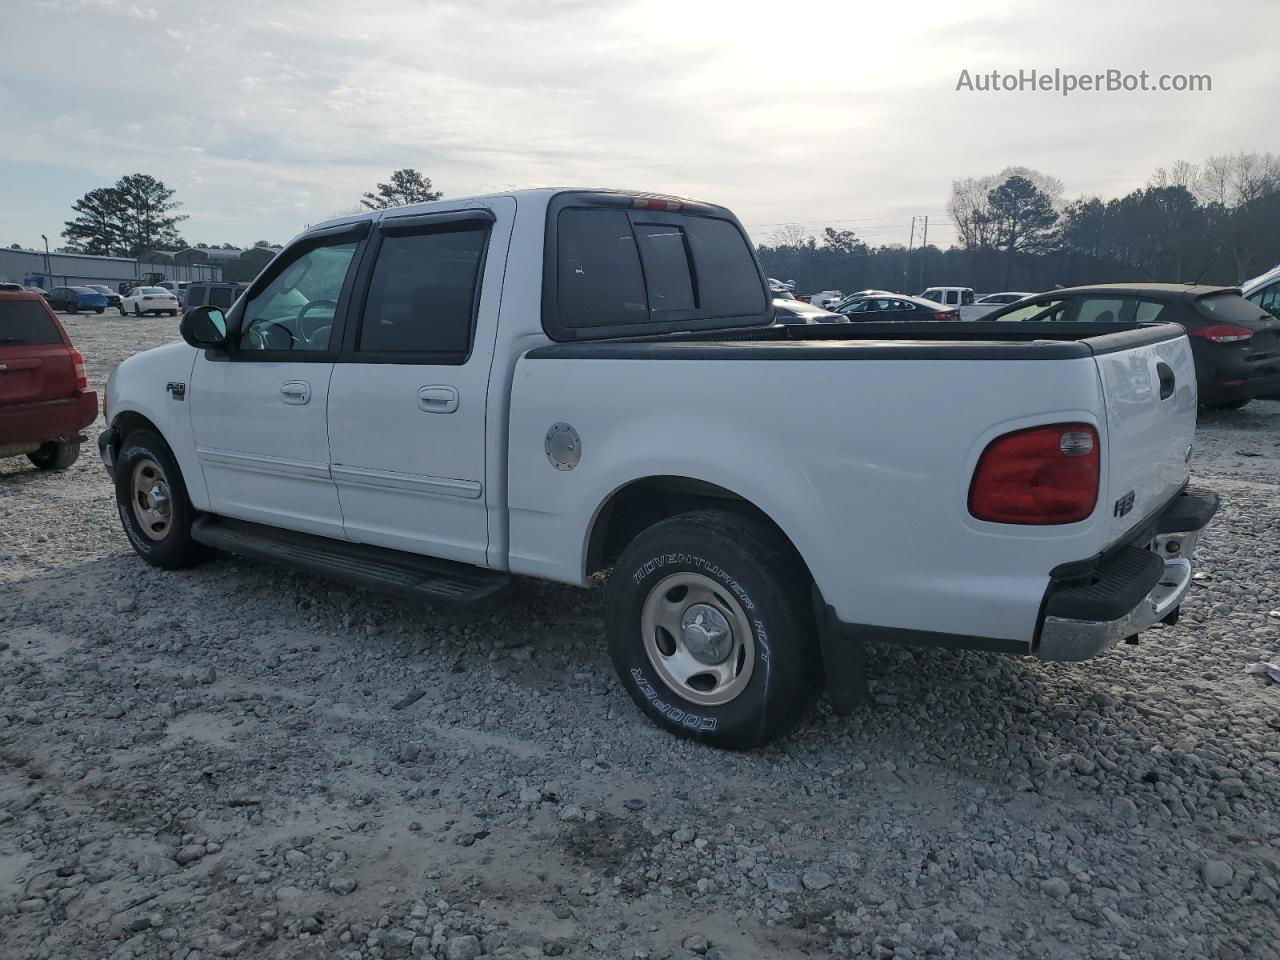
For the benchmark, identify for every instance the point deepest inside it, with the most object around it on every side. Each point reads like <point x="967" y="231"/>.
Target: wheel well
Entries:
<point x="129" y="421"/>
<point x="632" y="509"/>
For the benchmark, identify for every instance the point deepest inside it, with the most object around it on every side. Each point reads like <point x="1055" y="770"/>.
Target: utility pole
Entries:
<point x="906" y="264"/>
<point x="924" y="243"/>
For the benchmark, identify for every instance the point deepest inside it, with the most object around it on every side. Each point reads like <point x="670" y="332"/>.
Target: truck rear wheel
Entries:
<point x="710" y="629"/>
<point x="152" y="501"/>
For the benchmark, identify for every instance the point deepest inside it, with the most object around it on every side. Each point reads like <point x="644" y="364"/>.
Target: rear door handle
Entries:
<point x="438" y="399"/>
<point x="1167" y="380"/>
<point x="296" y="391"/>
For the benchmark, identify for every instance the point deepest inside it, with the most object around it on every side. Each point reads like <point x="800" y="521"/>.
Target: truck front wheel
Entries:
<point x="152" y="502"/>
<point x="710" y="628"/>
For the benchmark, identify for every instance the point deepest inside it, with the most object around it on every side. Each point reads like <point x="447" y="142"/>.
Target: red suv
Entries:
<point x="44" y="397"/>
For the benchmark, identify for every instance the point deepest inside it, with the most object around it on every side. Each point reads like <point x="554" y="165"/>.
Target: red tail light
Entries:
<point x="82" y="381"/>
<point x="1043" y="475"/>
<point x="1222" y="333"/>
<point x="148" y="298"/>
<point x="944" y="315"/>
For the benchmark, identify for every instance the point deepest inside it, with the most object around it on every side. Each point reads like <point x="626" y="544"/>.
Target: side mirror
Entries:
<point x="204" y="328"/>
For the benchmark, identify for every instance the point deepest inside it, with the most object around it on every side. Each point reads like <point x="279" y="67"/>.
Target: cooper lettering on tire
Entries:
<point x="710" y="628"/>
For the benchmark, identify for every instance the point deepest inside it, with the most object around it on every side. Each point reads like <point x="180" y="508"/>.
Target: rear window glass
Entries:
<point x="84" y="290"/>
<point x="1230" y="308"/>
<point x="155" y="290"/>
<point x="728" y="282"/>
<point x="1043" y="310"/>
<point x="422" y="293"/>
<point x="598" y="281"/>
<point x="666" y="266"/>
<point x="24" y="323"/>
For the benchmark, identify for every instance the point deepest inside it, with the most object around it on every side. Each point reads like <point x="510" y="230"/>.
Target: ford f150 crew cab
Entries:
<point x="552" y="383"/>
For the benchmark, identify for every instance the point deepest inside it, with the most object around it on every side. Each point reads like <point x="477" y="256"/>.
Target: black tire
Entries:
<point x="137" y="312"/>
<point x="56" y="455"/>
<point x="755" y="569"/>
<point x="73" y="308"/>
<point x="1229" y="404"/>
<point x="123" y="313"/>
<point x="99" y="309"/>
<point x="175" y="548"/>
<point x="173" y="313"/>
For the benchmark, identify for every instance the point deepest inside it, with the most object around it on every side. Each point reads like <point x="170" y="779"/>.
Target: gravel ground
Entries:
<point x="239" y="761"/>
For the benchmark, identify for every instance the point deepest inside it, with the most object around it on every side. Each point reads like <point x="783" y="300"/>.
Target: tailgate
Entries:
<point x="1149" y="391"/>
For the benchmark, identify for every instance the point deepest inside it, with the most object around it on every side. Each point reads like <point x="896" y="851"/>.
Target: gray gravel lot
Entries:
<point x="239" y="761"/>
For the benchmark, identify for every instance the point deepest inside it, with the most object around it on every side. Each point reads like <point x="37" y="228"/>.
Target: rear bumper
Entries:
<point x="1136" y="587"/>
<point x="49" y="420"/>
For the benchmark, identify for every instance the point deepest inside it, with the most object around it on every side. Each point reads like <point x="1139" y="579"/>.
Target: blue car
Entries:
<point x="75" y="299"/>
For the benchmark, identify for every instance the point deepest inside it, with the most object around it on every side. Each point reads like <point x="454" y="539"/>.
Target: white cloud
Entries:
<point x="784" y="113"/>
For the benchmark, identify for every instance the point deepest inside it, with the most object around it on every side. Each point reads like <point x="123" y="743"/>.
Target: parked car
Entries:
<point x="989" y="304"/>
<point x="113" y="298"/>
<point x="824" y="298"/>
<point x="894" y="307"/>
<point x="602" y="387"/>
<point x="44" y="294"/>
<point x="213" y="294"/>
<point x="9" y="287"/>
<point x="1236" y="343"/>
<point x="1264" y="291"/>
<point x="143" y="300"/>
<point x="850" y="297"/>
<point x="176" y="287"/>
<point x="949" y="296"/>
<point x="793" y="311"/>
<point x="45" y="400"/>
<point x="75" y="299"/>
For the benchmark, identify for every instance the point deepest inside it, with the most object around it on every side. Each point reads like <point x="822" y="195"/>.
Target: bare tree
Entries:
<point x="1231" y="179"/>
<point x="1180" y="173"/>
<point x="969" y="209"/>
<point x="790" y="235"/>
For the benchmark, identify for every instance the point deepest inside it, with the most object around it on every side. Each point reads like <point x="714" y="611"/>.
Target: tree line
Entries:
<point x="138" y="214"/>
<point x="1212" y="222"/>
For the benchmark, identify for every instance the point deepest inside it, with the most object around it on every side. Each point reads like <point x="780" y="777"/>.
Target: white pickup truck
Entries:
<point x="551" y="383"/>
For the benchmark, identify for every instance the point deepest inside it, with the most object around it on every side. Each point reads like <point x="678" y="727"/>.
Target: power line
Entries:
<point x="823" y="220"/>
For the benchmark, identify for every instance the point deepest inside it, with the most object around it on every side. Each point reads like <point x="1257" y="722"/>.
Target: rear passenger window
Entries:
<point x="1099" y="310"/>
<point x="1148" y="311"/>
<point x="422" y="293"/>
<point x="24" y="323"/>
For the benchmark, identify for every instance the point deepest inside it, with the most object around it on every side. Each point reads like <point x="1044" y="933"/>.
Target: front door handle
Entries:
<point x="438" y="399"/>
<point x="296" y="391"/>
<point x="1167" y="380"/>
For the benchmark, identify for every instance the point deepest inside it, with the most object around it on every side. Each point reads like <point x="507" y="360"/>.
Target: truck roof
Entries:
<point x="540" y="196"/>
<point x="1161" y="290"/>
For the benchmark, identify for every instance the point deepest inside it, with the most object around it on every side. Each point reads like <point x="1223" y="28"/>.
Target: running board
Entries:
<point x="377" y="568"/>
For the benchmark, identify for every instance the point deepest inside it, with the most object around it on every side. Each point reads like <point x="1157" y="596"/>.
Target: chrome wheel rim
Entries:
<point x="151" y="499"/>
<point x="698" y="639"/>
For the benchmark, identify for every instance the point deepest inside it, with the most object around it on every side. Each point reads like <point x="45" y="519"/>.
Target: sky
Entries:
<point x="267" y="115"/>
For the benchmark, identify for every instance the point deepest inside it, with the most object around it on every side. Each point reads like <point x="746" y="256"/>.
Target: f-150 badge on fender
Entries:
<point x="1124" y="504"/>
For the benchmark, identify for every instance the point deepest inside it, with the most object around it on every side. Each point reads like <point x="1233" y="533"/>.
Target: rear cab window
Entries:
<point x="616" y="267"/>
<point x="25" y="323"/>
